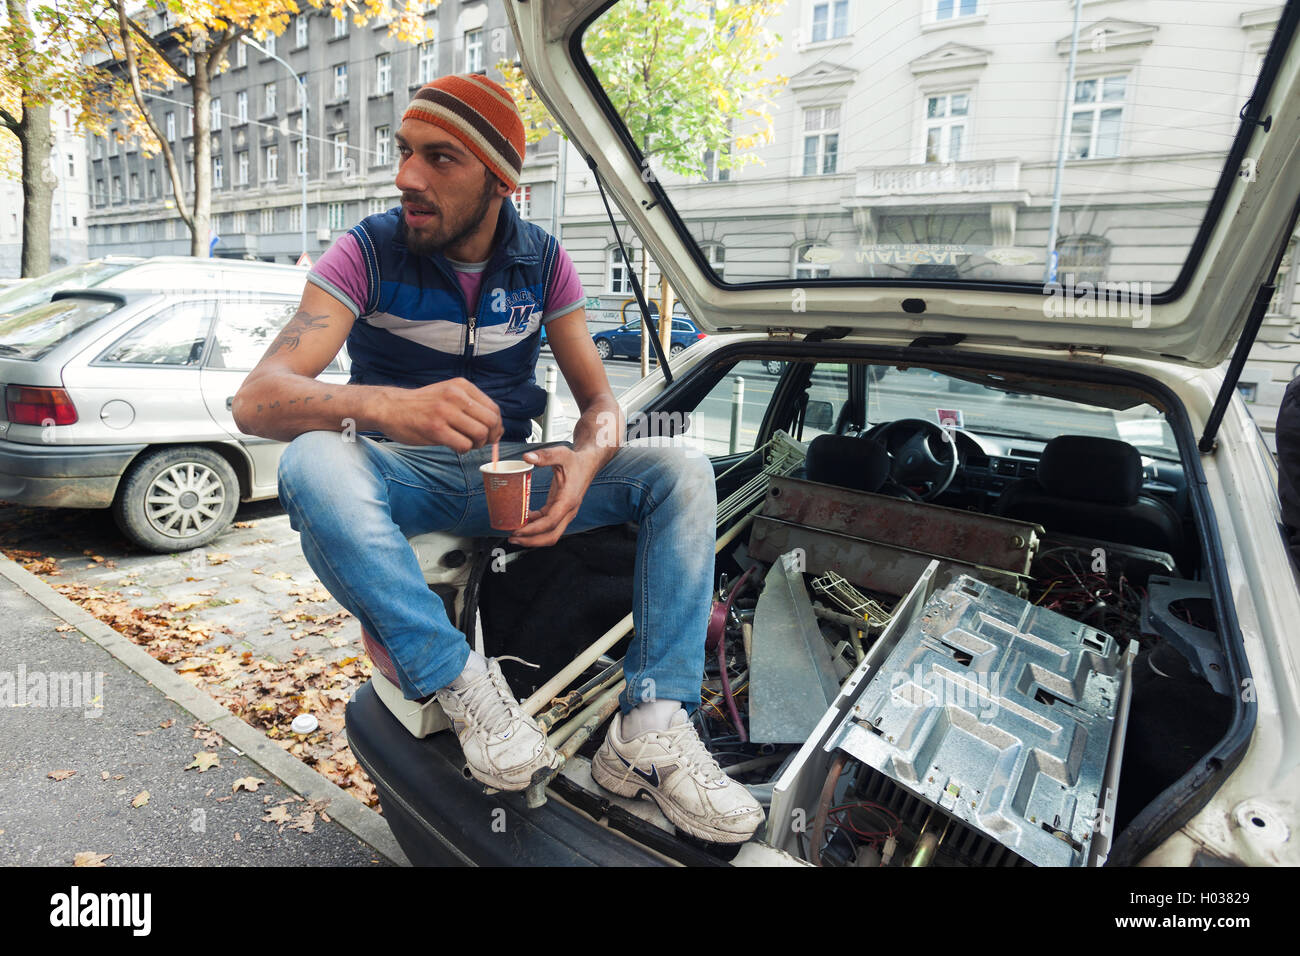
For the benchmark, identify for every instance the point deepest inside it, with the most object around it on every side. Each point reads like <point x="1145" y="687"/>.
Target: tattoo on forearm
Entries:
<point x="291" y="335"/>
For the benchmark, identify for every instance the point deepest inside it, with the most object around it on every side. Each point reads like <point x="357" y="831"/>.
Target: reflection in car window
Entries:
<point x="174" y="337"/>
<point x="244" y="331"/>
<point x="33" y="332"/>
<point x="36" y="291"/>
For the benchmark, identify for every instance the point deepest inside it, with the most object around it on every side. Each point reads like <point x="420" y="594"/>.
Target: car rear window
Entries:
<point x="36" y="291"/>
<point x="36" y="331"/>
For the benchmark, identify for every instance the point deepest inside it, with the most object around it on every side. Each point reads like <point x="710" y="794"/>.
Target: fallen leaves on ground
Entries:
<point x="204" y="760"/>
<point x="265" y="693"/>
<point x="218" y="558"/>
<point x="87" y="858"/>
<point x="247" y="783"/>
<point x="60" y="774"/>
<point x="140" y="799"/>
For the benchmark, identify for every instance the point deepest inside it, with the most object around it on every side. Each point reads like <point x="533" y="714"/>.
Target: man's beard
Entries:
<point x="448" y="234"/>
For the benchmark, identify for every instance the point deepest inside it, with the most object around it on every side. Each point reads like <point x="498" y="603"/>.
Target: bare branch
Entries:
<point x="8" y="122"/>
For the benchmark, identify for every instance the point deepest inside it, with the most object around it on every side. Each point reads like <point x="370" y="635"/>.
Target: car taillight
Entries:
<point x="699" y="335"/>
<point x="29" y="405"/>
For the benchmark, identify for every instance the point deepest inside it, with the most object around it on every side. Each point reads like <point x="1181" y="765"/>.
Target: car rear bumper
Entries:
<point x="62" y="476"/>
<point x="440" y="818"/>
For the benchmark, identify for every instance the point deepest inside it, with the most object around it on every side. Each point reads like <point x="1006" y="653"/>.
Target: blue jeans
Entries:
<point x="356" y="502"/>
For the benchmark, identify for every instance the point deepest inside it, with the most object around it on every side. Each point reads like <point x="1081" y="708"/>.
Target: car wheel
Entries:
<point x="773" y="367"/>
<point x="178" y="498"/>
<point x="603" y="349"/>
<point x="675" y="349"/>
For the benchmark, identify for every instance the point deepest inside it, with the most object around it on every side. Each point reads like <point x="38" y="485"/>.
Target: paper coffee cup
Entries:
<point x="508" y="484"/>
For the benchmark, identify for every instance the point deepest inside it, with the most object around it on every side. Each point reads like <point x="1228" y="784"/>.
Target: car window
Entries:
<point x="37" y="291"/>
<point x="711" y="420"/>
<point x="245" y="330"/>
<point x="33" y="332"/>
<point x="173" y="337"/>
<point x="680" y="325"/>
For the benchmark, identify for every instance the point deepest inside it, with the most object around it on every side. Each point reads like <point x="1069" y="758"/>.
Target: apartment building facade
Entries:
<point x="921" y="139"/>
<point x="68" y="209"/>
<point x="358" y="81"/>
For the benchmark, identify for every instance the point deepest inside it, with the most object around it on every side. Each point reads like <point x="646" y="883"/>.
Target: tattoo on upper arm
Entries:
<point x="291" y="335"/>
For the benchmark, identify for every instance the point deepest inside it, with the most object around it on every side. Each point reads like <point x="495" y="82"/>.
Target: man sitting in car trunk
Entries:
<point x="441" y="302"/>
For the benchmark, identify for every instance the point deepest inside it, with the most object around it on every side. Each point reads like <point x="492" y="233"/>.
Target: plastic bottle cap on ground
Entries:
<point x="304" y="724"/>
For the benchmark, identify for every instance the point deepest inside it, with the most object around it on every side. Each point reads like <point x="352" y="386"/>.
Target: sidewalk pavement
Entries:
<point x="77" y="696"/>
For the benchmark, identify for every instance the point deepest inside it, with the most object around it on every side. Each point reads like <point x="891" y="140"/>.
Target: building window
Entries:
<point x="217" y="172"/>
<point x="269" y="97"/>
<point x="267" y="223"/>
<point x="375" y="206"/>
<point x="153" y="183"/>
<point x="340" y="80"/>
<point x="241" y="168"/>
<point x="112" y="142"/>
<point x="1085" y="258"/>
<point x="300" y="29"/>
<point x="241" y="106"/>
<point x="523" y="200"/>
<point x="821" y="140"/>
<point x="189" y="174"/>
<point x="99" y="192"/>
<point x="474" y="51"/>
<point x="952" y="9"/>
<point x="383" y="146"/>
<point x="619" y="273"/>
<point x="383" y="74"/>
<point x="237" y="224"/>
<point x="712" y="171"/>
<point x="189" y="121"/>
<point x="830" y="21"/>
<point x="804" y="269"/>
<point x="341" y="25"/>
<point x="97" y="144"/>
<point x="337" y="215"/>
<point x="72" y="165"/>
<point x="135" y="185"/>
<point x="215" y="114"/>
<point x="716" y="256"/>
<point x="340" y="141"/>
<point x="300" y="151"/>
<point x="1095" y="117"/>
<point x="946" y="119"/>
<point x="241" y="55"/>
<point x="269" y="44"/>
<point x="428" y="63"/>
<point x="171" y="127"/>
<point x="301" y="97"/>
<point x="272" y="163"/>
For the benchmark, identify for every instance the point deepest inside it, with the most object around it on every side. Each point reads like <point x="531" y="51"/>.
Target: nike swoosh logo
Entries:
<point x="651" y="778"/>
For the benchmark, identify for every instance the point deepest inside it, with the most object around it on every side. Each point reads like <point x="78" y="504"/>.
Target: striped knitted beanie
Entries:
<point x="479" y="113"/>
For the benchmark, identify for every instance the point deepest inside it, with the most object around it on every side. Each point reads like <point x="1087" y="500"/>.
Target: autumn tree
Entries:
<point x="685" y="77"/>
<point x="128" y="58"/>
<point x="35" y="72"/>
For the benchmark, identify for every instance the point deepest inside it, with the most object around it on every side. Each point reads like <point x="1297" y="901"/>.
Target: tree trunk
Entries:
<point x="202" y="207"/>
<point x="665" y="313"/>
<point x="38" y="187"/>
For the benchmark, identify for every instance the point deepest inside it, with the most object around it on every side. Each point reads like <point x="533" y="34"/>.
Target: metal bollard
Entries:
<point x="551" y="380"/>
<point x="737" y="405"/>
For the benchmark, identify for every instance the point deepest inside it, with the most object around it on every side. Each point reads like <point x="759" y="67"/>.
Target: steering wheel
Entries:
<point x="922" y="455"/>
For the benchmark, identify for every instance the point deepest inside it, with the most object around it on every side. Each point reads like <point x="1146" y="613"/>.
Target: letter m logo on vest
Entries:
<point x="519" y="315"/>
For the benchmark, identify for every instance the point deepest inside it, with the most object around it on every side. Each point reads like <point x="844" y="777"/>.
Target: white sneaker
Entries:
<point x="674" y="768"/>
<point x="503" y="747"/>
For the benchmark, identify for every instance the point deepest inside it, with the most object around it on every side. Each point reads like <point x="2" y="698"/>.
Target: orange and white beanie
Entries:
<point x="479" y="113"/>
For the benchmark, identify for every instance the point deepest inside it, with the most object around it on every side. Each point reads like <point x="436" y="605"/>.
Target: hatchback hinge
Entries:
<point x="828" y="334"/>
<point x="943" y="340"/>
<point x="1263" y="295"/>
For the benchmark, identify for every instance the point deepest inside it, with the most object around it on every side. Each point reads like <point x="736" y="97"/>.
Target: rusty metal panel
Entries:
<point x="962" y="536"/>
<point x="868" y="564"/>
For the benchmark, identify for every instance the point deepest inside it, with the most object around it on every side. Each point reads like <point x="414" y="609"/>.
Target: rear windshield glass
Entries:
<point x="36" y="331"/>
<point x="35" y="291"/>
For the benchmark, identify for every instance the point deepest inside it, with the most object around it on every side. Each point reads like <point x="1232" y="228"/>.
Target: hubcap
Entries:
<point x="184" y="500"/>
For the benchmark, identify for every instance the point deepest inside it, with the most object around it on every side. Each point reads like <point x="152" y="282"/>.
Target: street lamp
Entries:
<point x="302" y="96"/>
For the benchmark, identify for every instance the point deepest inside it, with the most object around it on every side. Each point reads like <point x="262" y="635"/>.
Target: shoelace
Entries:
<point x="687" y="745"/>
<point x="490" y="702"/>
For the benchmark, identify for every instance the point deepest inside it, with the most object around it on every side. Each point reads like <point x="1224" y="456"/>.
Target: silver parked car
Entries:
<point x="121" y="400"/>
